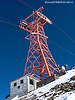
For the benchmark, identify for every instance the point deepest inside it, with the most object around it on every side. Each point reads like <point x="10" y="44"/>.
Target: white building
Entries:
<point x="21" y="86"/>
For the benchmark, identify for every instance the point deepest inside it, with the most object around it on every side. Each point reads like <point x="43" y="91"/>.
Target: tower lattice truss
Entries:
<point x="40" y="62"/>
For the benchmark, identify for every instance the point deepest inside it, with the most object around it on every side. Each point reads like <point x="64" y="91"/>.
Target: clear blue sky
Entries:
<point x="13" y="46"/>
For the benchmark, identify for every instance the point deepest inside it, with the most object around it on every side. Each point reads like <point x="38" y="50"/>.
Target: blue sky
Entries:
<point x="14" y="47"/>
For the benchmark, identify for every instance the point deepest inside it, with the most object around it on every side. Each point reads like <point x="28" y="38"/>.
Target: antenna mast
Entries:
<point x="40" y="62"/>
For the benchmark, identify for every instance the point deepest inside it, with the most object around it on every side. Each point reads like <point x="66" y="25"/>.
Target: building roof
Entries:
<point x="23" y="76"/>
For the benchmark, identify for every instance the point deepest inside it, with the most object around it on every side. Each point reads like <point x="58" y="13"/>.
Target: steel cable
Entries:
<point x="61" y="47"/>
<point x="8" y="22"/>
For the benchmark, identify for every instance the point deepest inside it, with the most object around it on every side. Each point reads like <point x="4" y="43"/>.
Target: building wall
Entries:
<point x="31" y="83"/>
<point x="45" y="81"/>
<point x="18" y="88"/>
<point x="49" y="79"/>
<point x="22" y="85"/>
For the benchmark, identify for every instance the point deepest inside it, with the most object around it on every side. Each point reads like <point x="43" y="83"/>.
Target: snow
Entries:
<point x="15" y="98"/>
<point x="66" y="96"/>
<point x="71" y="97"/>
<point x="44" y="89"/>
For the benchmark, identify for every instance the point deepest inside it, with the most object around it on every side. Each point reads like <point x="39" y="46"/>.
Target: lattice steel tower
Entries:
<point x="40" y="62"/>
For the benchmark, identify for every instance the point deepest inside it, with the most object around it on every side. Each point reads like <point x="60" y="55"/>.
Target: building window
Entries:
<point x="31" y="81"/>
<point x="18" y="87"/>
<point x="21" y="81"/>
<point x="15" y="84"/>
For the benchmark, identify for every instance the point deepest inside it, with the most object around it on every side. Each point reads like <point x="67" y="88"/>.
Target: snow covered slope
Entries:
<point x="60" y="89"/>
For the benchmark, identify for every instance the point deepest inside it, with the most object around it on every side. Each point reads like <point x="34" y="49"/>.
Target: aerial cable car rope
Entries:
<point x="27" y="4"/>
<point x="64" y="32"/>
<point x="8" y="22"/>
<point x="15" y="24"/>
<point x="61" y="47"/>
